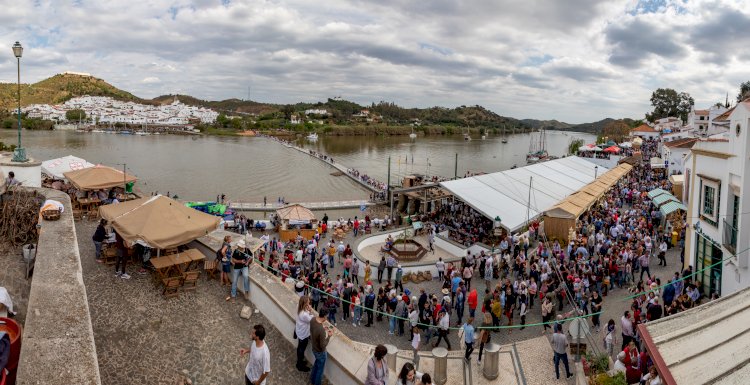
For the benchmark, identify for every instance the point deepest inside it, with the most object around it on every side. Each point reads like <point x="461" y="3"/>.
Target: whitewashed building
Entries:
<point x="644" y="131"/>
<point x="674" y="153"/>
<point x="717" y="179"/>
<point x="668" y="124"/>
<point x="711" y="121"/>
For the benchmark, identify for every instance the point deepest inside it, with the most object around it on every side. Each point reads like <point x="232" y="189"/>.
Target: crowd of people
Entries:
<point x="614" y="245"/>
<point x="464" y="224"/>
<point x="367" y="179"/>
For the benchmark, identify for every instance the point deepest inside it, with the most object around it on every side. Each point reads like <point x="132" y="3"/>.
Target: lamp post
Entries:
<point x="596" y="171"/>
<point x="19" y="155"/>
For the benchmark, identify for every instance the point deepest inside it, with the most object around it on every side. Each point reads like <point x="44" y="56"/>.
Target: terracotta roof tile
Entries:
<point x="643" y="128"/>
<point x="682" y="143"/>
<point x="725" y="116"/>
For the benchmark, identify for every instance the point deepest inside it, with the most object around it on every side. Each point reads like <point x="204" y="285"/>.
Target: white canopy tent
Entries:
<point x="57" y="167"/>
<point x="505" y="194"/>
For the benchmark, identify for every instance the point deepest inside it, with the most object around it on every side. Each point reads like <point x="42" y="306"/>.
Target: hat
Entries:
<point x="341" y="242"/>
<point x="398" y="266"/>
<point x="299" y="284"/>
<point x="445" y="291"/>
<point x="241" y="244"/>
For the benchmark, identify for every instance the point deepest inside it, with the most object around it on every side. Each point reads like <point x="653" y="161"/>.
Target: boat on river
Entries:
<point x="538" y="149"/>
<point x="413" y="135"/>
<point x="467" y="137"/>
<point x="312" y="137"/>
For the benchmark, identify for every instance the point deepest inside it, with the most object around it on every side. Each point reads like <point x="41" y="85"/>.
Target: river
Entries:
<point x="247" y="168"/>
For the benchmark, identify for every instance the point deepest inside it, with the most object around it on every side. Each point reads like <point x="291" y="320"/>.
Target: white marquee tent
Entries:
<point x="505" y="194"/>
<point x="57" y="167"/>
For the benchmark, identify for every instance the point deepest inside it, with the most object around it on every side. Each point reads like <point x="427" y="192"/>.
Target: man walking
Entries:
<point x="443" y="326"/>
<point x="122" y="257"/>
<point x="469" y="337"/>
<point x="259" y="365"/>
<point x="319" y="336"/>
<point x="560" y="347"/>
<point x="240" y="259"/>
<point x="627" y="329"/>
<point x="643" y="261"/>
<point x="390" y="263"/>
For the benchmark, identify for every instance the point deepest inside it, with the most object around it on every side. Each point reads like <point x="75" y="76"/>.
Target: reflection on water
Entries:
<point x="247" y="169"/>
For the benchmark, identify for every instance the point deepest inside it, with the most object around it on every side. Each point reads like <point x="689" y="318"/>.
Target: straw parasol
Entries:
<point x="98" y="177"/>
<point x="158" y="221"/>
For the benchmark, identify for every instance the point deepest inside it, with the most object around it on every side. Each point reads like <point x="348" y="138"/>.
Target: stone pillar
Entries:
<point x="491" y="367"/>
<point x="440" y="376"/>
<point x="390" y="357"/>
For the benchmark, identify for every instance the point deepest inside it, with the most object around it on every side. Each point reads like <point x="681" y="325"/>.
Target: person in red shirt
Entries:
<point x="471" y="299"/>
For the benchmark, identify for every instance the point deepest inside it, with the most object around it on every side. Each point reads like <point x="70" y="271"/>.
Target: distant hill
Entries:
<point x="60" y="88"/>
<point x="228" y="106"/>
<point x="592" y="128"/>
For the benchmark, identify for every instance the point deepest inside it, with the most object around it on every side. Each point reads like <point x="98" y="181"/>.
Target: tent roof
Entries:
<point x="656" y="192"/>
<point x="677" y="179"/>
<point x="158" y="221"/>
<point x="505" y="194"/>
<point x="664" y="198"/>
<point x="702" y="345"/>
<point x="670" y="207"/>
<point x="57" y="167"/>
<point x="295" y="212"/>
<point x="98" y="177"/>
<point x="656" y="162"/>
<point x="575" y="204"/>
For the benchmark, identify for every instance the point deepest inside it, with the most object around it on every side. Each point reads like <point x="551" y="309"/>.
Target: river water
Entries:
<point x="247" y="169"/>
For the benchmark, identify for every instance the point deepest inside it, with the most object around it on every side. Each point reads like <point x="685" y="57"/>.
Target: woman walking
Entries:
<point x="225" y="252"/>
<point x="484" y="334"/>
<point x="302" y="331"/>
<point x="547" y="308"/>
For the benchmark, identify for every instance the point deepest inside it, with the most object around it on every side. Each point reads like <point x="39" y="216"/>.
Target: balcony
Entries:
<point x="730" y="237"/>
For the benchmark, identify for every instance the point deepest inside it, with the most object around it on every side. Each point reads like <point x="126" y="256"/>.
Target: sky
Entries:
<point x="571" y="60"/>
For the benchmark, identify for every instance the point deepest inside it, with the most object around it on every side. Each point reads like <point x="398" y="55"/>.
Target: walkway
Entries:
<point x="337" y="166"/>
<point x="244" y="206"/>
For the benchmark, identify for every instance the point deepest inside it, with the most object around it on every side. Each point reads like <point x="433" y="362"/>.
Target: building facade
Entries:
<point x="718" y="238"/>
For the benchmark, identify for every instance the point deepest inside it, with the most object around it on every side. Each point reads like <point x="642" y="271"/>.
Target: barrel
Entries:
<point x="15" y="332"/>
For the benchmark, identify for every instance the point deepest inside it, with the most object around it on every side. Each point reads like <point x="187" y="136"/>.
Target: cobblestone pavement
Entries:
<point x="613" y="307"/>
<point x="13" y="279"/>
<point x="143" y="338"/>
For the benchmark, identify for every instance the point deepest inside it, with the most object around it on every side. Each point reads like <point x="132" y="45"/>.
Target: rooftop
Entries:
<point x="643" y="128"/>
<point x="706" y="344"/>
<point x="681" y="143"/>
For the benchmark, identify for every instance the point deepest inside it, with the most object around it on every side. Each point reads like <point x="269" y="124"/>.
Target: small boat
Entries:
<point x="98" y="131"/>
<point x="142" y="133"/>
<point x="413" y="135"/>
<point x="312" y="136"/>
<point x="505" y="140"/>
<point x="467" y="137"/>
<point x="484" y="137"/>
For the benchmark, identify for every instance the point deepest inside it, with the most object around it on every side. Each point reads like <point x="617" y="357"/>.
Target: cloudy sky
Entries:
<point x="572" y="60"/>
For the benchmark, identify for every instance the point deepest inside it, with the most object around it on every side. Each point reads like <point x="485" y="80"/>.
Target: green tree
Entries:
<point x="668" y="102"/>
<point x="744" y="91"/>
<point x="574" y="146"/>
<point x="616" y="130"/>
<point x="76" y="114"/>
<point x="222" y="121"/>
<point x="288" y="110"/>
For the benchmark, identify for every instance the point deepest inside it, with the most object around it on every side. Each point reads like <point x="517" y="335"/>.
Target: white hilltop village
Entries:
<point x="106" y="110"/>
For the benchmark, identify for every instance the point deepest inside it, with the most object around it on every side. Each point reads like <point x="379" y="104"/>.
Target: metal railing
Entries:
<point x="730" y="236"/>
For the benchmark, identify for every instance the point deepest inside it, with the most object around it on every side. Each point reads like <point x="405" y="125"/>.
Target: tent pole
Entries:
<point x="528" y="205"/>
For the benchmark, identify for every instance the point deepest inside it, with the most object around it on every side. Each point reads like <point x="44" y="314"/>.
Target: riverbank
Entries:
<point x="368" y="130"/>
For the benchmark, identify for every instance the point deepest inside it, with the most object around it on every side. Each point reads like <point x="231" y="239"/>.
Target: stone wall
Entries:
<point x="58" y="340"/>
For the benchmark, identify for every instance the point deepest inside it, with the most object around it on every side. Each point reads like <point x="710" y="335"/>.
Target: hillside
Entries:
<point x="592" y="128"/>
<point x="228" y="106"/>
<point x="58" y="89"/>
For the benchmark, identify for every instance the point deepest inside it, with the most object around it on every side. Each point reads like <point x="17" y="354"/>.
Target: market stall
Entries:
<point x="56" y="168"/>
<point x="294" y="220"/>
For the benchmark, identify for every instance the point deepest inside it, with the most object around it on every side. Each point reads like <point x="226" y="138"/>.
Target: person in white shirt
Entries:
<point x="259" y="365"/>
<point x="663" y="253"/>
<point x="440" y="265"/>
<point x="416" y="339"/>
<point x="443" y="327"/>
<point x="302" y="330"/>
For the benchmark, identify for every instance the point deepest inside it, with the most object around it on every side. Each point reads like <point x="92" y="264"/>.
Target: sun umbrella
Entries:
<point x="612" y="149"/>
<point x="626" y="144"/>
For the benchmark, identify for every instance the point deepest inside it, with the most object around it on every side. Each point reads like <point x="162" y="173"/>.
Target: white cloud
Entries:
<point x="575" y="60"/>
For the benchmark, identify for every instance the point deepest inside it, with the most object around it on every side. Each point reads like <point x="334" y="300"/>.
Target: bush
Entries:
<point x="606" y="379"/>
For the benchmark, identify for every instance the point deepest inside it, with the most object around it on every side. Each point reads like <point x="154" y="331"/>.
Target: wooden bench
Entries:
<point x="171" y="287"/>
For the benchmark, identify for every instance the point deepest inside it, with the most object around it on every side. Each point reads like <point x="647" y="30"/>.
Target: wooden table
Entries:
<point x="188" y="260"/>
<point x="163" y="265"/>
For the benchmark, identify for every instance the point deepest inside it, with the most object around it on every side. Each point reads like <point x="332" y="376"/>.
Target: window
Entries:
<point x="737" y="129"/>
<point x="709" y="196"/>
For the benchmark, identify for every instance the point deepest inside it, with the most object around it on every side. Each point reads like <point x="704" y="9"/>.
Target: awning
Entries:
<point x="670" y="207"/>
<point x="577" y="203"/>
<point x="664" y="198"/>
<point x="158" y="221"/>
<point x="296" y="214"/>
<point x="656" y="192"/>
<point x="98" y="177"/>
<point x="613" y="149"/>
<point x="57" y="167"/>
<point x="677" y="179"/>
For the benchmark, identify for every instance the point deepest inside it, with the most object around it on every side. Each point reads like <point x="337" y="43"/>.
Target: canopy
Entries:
<point x="590" y="147"/>
<point x="677" y="179"/>
<point x="611" y="142"/>
<point x="57" y="167"/>
<point x="670" y="207"/>
<point x="98" y="177"/>
<point x="576" y="204"/>
<point x="657" y="162"/>
<point x="505" y="194"/>
<point x="613" y="149"/>
<point x="656" y="192"/>
<point x="664" y="198"/>
<point x="158" y="221"/>
<point x="626" y="144"/>
<point x="296" y="214"/>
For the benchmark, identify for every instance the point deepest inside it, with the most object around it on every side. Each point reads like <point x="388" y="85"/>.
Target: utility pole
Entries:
<point x="455" y="168"/>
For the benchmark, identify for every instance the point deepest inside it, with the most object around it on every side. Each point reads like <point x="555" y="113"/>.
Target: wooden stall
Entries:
<point x="296" y="220"/>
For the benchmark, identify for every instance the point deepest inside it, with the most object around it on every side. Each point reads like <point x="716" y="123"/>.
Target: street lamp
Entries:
<point x="596" y="171"/>
<point x="19" y="155"/>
